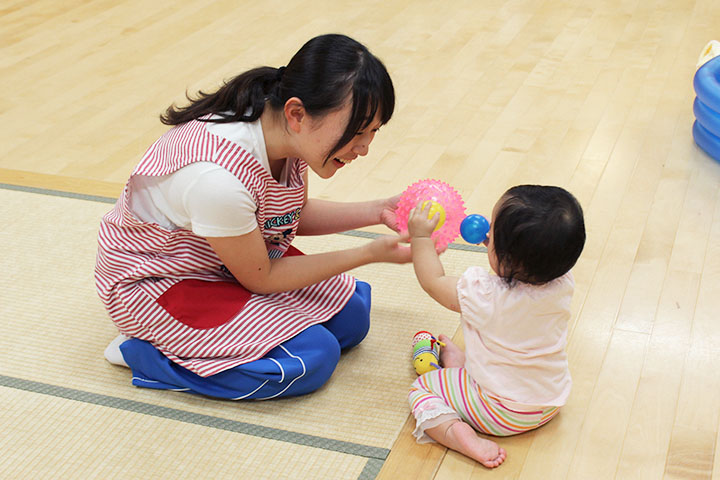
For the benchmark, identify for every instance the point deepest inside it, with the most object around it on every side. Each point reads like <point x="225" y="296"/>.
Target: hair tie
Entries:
<point x="279" y="74"/>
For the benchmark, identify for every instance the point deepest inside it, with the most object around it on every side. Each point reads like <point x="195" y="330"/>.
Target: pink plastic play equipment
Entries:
<point x="447" y="198"/>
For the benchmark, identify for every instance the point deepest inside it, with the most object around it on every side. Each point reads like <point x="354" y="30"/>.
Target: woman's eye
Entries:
<point x="374" y="130"/>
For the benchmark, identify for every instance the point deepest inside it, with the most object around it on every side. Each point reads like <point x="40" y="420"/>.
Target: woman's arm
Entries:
<point x="247" y="259"/>
<point x="321" y="217"/>
<point x="428" y="268"/>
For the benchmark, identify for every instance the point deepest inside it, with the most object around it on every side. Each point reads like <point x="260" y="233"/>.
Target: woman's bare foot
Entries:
<point x="450" y="355"/>
<point x="459" y="436"/>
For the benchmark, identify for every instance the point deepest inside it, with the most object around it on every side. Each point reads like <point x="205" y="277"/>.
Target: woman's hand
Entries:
<point x="419" y="223"/>
<point x="388" y="249"/>
<point x="387" y="213"/>
<point x="247" y="259"/>
<point x="320" y="217"/>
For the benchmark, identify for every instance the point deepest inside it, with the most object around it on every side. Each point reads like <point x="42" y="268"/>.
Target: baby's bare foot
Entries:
<point x="450" y="355"/>
<point x="470" y="444"/>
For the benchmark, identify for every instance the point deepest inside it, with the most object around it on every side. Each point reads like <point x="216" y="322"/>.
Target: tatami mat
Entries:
<point x="59" y="386"/>
<point x="46" y="437"/>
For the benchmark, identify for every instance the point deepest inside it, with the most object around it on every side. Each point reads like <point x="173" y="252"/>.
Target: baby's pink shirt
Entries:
<point x="515" y="337"/>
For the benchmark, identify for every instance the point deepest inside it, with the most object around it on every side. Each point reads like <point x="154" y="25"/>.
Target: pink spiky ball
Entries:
<point x="436" y="191"/>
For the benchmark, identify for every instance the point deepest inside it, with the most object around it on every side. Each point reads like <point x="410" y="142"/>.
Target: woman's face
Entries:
<point x="323" y="134"/>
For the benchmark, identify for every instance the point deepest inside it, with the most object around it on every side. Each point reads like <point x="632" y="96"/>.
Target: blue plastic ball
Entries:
<point x="474" y="228"/>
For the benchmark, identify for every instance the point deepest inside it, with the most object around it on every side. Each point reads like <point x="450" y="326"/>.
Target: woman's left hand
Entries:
<point x="387" y="214"/>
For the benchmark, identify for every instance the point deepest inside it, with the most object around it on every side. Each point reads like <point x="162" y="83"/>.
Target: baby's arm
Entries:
<point x="428" y="268"/>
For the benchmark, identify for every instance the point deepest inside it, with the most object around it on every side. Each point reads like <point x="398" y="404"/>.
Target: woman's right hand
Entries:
<point x="389" y="249"/>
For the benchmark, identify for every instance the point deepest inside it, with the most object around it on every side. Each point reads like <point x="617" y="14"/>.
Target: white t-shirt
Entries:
<point x="515" y="337"/>
<point x="204" y="197"/>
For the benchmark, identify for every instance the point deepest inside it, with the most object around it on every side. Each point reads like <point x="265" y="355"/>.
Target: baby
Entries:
<point x="513" y="376"/>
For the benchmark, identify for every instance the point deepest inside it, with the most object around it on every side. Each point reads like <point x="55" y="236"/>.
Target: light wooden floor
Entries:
<point x="593" y="96"/>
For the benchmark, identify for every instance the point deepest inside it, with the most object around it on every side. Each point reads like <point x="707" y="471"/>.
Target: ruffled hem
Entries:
<point x="432" y="417"/>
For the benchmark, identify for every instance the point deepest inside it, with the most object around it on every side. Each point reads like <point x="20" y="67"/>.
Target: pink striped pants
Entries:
<point x="449" y="393"/>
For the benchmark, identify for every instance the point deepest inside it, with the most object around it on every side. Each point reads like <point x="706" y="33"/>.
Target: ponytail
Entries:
<point x="326" y="72"/>
<point x="242" y="99"/>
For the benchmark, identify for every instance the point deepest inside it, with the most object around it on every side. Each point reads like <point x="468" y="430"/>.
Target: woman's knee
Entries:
<point x="320" y="354"/>
<point x="352" y="324"/>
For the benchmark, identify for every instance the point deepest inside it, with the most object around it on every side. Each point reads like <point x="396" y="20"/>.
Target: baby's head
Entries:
<point x="536" y="234"/>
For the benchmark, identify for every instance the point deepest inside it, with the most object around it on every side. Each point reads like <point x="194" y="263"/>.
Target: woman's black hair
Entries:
<point x="538" y="233"/>
<point x="323" y="74"/>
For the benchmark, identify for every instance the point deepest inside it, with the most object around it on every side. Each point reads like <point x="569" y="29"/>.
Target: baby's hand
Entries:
<point x="419" y="225"/>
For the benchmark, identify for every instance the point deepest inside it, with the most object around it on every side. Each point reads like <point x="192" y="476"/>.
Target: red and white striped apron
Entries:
<point x="155" y="282"/>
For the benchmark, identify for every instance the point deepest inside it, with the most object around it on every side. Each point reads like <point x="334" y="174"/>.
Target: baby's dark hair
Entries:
<point x="538" y="233"/>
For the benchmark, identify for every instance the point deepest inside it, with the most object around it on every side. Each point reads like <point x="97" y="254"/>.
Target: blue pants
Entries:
<point x="298" y="366"/>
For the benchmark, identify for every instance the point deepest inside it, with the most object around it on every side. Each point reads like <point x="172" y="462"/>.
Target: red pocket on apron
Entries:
<point x="202" y="305"/>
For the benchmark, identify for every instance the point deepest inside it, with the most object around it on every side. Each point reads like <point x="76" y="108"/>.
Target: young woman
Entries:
<point x="195" y="263"/>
